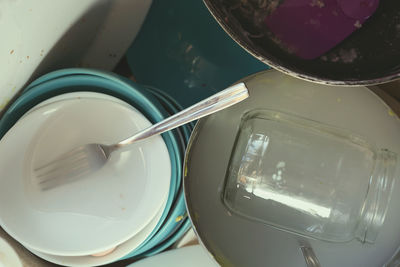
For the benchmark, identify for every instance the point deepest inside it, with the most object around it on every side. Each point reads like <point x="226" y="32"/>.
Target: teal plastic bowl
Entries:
<point x="153" y="104"/>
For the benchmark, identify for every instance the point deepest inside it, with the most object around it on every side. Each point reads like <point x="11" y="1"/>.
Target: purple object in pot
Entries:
<point x="310" y="28"/>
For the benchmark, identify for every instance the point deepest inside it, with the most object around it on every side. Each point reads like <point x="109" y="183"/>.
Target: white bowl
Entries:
<point x="8" y="256"/>
<point x="90" y="215"/>
<point x="85" y="31"/>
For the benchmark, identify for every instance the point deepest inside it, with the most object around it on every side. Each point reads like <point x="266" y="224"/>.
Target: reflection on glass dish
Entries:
<point x="294" y="202"/>
<point x="309" y="178"/>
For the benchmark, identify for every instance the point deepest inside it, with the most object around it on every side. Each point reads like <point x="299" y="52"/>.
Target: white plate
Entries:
<point x="8" y="257"/>
<point x="45" y="35"/>
<point x="121" y="250"/>
<point x="92" y="214"/>
<point x="78" y="95"/>
<point x="193" y="256"/>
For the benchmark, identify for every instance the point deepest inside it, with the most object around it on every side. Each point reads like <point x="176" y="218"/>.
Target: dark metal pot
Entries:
<point x="377" y="44"/>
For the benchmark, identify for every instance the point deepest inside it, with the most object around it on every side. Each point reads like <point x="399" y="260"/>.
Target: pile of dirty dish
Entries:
<point x="132" y="207"/>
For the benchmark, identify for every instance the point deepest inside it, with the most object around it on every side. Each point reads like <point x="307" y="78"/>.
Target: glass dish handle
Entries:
<point x="309" y="255"/>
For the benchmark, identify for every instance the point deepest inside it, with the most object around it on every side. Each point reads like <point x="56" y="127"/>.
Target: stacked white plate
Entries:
<point x="132" y="207"/>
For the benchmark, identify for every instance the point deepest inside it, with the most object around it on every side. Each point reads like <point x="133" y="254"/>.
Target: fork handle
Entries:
<point x="212" y="104"/>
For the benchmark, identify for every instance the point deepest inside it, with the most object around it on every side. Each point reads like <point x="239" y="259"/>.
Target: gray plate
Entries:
<point x="236" y="241"/>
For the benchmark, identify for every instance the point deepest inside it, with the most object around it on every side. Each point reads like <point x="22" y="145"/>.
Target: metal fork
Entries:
<point x="88" y="158"/>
